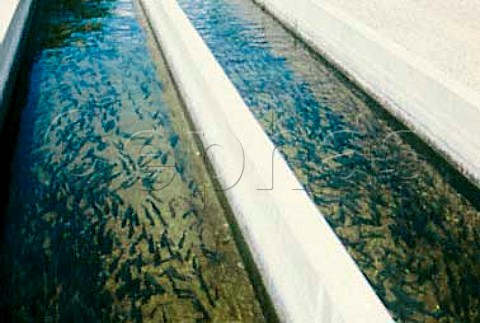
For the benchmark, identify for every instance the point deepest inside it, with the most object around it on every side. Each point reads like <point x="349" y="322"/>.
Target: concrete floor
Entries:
<point x="445" y="33"/>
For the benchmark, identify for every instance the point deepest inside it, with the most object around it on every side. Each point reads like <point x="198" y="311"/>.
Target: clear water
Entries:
<point x="112" y="216"/>
<point x="396" y="208"/>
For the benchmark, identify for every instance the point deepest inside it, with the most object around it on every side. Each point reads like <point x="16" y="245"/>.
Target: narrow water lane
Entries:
<point x="112" y="215"/>
<point x="410" y="222"/>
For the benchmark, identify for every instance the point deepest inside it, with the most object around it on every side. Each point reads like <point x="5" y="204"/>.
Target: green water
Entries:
<point x="112" y="215"/>
<point x="410" y="222"/>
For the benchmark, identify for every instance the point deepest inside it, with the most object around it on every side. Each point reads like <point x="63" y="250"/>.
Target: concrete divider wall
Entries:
<point x="307" y="271"/>
<point x="14" y="15"/>
<point x="440" y="110"/>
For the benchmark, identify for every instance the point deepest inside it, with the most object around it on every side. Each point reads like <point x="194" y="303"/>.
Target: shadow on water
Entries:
<point x="76" y="17"/>
<point x="21" y="301"/>
<point x="8" y="142"/>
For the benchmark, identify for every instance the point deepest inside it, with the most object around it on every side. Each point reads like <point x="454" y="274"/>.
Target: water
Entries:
<point x="407" y="219"/>
<point x="112" y="216"/>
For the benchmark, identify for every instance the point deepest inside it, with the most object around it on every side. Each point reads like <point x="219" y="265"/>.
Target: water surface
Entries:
<point x="112" y="216"/>
<point x="402" y="213"/>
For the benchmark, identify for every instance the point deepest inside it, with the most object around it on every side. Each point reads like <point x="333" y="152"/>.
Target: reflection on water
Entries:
<point x="112" y="216"/>
<point x="414" y="236"/>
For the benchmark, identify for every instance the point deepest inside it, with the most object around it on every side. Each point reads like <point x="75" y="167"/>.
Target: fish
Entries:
<point x="148" y="216"/>
<point x="114" y="210"/>
<point x="154" y="198"/>
<point x="139" y="263"/>
<point x="135" y="219"/>
<point x="143" y="235"/>
<point x="109" y="125"/>
<point x="115" y="263"/>
<point x="164" y="159"/>
<point x="179" y="168"/>
<point x="192" y="185"/>
<point x="128" y="215"/>
<point x="124" y="273"/>
<point x="138" y="112"/>
<point x="214" y="257"/>
<point x="113" y="176"/>
<point x="159" y="214"/>
<point x="188" y="213"/>
<point x="173" y="140"/>
<point x="182" y="240"/>
<point x="203" y="283"/>
<point x="151" y="245"/>
<point x="188" y="254"/>
<point x="184" y="293"/>
<point x="197" y="304"/>
<point x="136" y="313"/>
<point x="157" y="259"/>
<point x="130" y="232"/>
<point x="116" y="197"/>
<point x="129" y="182"/>
<point x="151" y="282"/>
<point x="172" y="274"/>
<point x="171" y="208"/>
<point x="165" y="243"/>
<point x="132" y="250"/>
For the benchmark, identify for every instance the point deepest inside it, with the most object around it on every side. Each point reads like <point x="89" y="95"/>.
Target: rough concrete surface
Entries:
<point x="445" y="33"/>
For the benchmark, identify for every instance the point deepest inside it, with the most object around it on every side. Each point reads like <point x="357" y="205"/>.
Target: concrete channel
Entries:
<point x="14" y="18"/>
<point x="111" y="213"/>
<point x="309" y="272"/>
<point x="400" y="209"/>
<point x="440" y="109"/>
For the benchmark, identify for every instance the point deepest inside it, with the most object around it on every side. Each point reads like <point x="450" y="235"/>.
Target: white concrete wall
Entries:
<point x="8" y="9"/>
<point x="307" y="271"/>
<point x="13" y="17"/>
<point x="438" y="108"/>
